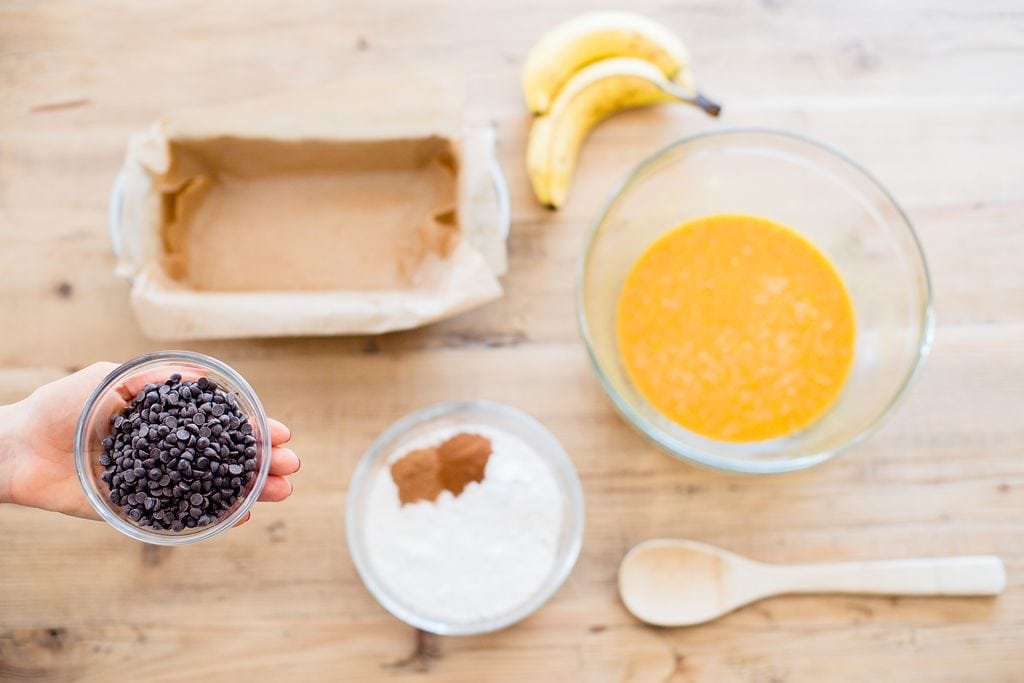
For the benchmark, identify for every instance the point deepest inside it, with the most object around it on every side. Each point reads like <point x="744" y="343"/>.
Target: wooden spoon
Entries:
<point x="671" y="582"/>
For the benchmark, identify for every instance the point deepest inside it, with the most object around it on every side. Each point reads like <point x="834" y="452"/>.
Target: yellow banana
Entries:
<point x="593" y="36"/>
<point x="594" y="93"/>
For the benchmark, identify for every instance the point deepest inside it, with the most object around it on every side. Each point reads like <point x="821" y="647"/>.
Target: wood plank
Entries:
<point x="925" y="94"/>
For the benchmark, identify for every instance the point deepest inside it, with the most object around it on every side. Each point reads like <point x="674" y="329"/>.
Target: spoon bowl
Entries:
<point x="676" y="582"/>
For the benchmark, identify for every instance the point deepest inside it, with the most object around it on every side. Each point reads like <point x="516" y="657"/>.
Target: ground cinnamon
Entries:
<point x="418" y="475"/>
<point x="423" y="473"/>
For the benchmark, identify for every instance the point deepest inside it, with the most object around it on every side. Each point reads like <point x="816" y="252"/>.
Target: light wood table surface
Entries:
<point x="926" y="94"/>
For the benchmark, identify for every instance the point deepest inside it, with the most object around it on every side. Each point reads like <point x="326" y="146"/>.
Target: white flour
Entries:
<point x="472" y="557"/>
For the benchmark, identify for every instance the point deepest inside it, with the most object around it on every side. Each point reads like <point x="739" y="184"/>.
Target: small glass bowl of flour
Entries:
<point x="480" y="560"/>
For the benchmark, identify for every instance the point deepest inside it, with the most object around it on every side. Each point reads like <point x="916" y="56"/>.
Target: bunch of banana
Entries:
<point x="585" y="70"/>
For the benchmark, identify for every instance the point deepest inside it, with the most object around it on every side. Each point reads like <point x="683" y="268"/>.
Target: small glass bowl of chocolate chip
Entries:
<point x="172" y="448"/>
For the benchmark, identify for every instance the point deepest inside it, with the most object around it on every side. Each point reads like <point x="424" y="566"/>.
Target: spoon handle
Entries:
<point x="970" y="575"/>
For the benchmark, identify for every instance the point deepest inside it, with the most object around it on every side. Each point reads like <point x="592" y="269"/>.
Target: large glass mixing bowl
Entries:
<point x="821" y="194"/>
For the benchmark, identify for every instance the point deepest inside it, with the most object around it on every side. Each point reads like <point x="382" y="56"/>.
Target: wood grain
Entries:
<point x="925" y="94"/>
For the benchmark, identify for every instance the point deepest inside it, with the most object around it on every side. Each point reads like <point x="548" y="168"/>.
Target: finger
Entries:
<point x="284" y="461"/>
<point x="243" y="520"/>
<point x="279" y="433"/>
<point x="276" y="490"/>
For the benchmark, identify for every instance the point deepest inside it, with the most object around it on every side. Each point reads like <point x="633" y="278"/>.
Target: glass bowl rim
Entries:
<point x="569" y="485"/>
<point x="117" y="375"/>
<point x="701" y="457"/>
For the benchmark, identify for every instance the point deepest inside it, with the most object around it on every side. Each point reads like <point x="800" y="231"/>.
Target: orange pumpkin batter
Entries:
<point x="736" y="328"/>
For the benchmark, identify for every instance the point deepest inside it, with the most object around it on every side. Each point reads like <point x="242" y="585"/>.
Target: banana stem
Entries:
<point x="710" y="107"/>
<point x="697" y="99"/>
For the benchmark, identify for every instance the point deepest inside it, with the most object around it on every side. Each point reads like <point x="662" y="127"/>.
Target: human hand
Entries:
<point x="37" y="459"/>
